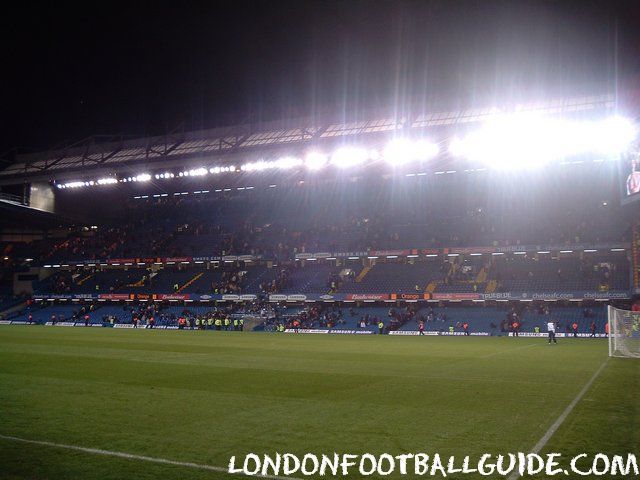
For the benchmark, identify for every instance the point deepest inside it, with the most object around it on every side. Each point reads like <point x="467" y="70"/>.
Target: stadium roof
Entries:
<point x="99" y="153"/>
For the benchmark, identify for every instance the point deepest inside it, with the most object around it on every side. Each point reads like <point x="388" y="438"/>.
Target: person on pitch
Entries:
<point x="551" y="328"/>
<point x="633" y="180"/>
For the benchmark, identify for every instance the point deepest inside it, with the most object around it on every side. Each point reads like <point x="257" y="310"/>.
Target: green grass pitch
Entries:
<point x="204" y="396"/>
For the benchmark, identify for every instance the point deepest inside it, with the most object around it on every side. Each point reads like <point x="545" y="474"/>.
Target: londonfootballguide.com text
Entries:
<point x="422" y="464"/>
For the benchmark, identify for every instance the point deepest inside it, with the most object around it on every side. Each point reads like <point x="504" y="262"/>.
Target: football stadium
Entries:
<point x="450" y="291"/>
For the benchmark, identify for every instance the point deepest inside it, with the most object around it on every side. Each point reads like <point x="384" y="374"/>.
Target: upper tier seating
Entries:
<point x="345" y="216"/>
<point x="397" y="278"/>
<point x="564" y="274"/>
<point x="604" y="272"/>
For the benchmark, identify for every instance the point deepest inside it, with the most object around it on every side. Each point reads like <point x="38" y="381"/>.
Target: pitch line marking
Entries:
<point x="563" y="416"/>
<point x="131" y="456"/>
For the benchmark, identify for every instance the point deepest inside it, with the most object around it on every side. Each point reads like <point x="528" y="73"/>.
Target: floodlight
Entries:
<point x="107" y="181"/>
<point x="315" y="160"/>
<point x="510" y="141"/>
<point x="256" y="166"/>
<point x="527" y="140"/>
<point x="616" y="134"/>
<point x="286" y="163"/>
<point x="198" y="172"/>
<point x="349" y="157"/>
<point x="425" y="149"/>
<point x="401" y="150"/>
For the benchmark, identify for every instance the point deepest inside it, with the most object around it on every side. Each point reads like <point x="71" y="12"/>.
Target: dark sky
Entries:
<point x="70" y="70"/>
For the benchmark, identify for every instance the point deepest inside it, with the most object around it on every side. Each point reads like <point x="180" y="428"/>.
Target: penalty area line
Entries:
<point x="143" y="458"/>
<point x="563" y="416"/>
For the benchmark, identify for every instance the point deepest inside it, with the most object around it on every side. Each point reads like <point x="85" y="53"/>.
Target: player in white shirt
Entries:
<point x="633" y="180"/>
<point x="551" y="328"/>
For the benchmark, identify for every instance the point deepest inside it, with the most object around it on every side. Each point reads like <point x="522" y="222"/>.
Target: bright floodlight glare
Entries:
<point x="426" y="150"/>
<point x="143" y="177"/>
<point x="256" y="166"/>
<point x="457" y="147"/>
<point x="315" y="160"/>
<point x="616" y="135"/>
<point x="286" y="163"/>
<point x="198" y="172"/>
<point x="107" y="181"/>
<point x="511" y="141"/>
<point x="401" y="150"/>
<point x="349" y="157"/>
<point x="529" y="140"/>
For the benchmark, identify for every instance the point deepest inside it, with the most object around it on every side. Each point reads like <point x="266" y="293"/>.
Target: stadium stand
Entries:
<point x="511" y="273"/>
<point x="353" y="217"/>
<point x="397" y="277"/>
<point x="568" y="273"/>
<point x="338" y="253"/>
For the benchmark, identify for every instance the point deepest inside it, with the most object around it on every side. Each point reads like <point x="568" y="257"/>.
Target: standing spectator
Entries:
<point x="515" y="326"/>
<point x="551" y="328"/>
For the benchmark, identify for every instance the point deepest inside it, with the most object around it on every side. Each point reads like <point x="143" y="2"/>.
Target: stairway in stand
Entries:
<point x="196" y="277"/>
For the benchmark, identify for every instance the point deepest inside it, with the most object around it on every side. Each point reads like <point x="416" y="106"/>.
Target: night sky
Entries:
<point x="142" y="68"/>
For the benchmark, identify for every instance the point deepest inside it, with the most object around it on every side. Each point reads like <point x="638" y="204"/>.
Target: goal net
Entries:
<point x="624" y="333"/>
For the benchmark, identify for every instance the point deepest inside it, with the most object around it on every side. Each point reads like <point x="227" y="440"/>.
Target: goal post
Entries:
<point x="624" y="333"/>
